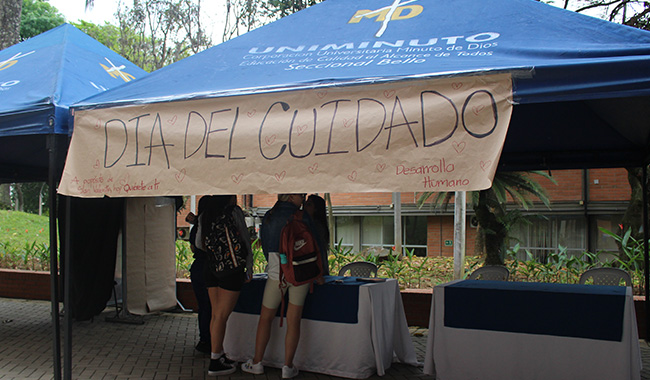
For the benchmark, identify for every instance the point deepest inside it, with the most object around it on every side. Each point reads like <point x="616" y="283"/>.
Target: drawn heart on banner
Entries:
<point x="353" y="176"/>
<point x="389" y="93"/>
<point x="173" y="120"/>
<point x="486" y="165"/>
<point x="321" y="94"/>
<point x="477" y="109"/>
<point x="301" y="129"/>
<point x="457" y="85"/>
<point x="458" y="147"/>
<point x="348" y="122"/>
<point x="270" y="140"/>
<point x="251" y="113"/>
<point x="312" y="169"/>
<point x="98" y="124"/>
<point x="280" y="176"/>
<point x="124" y="180"/>
<point x="237" y="179"/>
<point x="96" y="166"/>
<point x="180" y="176"/>
<point x="381" y="167"/>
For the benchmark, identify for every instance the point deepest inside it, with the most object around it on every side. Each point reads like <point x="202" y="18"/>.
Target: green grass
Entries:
<point x="24" y="240"/>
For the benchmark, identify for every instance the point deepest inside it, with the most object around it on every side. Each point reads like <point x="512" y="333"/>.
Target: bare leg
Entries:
<point x="223" y="302"/>
<point x="263" y="332"/>
<point x="294" y="315"/>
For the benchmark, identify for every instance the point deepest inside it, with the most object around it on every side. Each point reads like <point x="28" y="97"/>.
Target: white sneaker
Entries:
<point x="289" y="372"/>
<point x="255" y="369"/>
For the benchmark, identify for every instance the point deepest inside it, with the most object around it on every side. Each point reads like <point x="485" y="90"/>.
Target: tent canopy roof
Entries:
<point x="39" y="79"/>
<point x="555" y="54"/>
<point x="580" y="84"/>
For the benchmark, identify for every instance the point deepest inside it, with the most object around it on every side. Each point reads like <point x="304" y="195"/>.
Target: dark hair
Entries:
<point x="320" y="214"/>
<point x="214" y="205"/>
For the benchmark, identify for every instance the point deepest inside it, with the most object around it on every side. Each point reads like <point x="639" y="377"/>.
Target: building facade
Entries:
<point x="581" y="202"/>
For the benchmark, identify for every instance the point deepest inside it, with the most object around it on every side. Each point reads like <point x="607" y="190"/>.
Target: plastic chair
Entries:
<point x="359" y="269"/>
<point x="606" y="276"/>
<point x="491" y="272"/>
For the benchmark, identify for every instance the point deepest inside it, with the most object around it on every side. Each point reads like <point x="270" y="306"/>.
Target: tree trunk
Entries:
<point x="10" y="22"/>
<point x="5" y="196"/>
<point x="495" y="232"/>
<point x="20" y="204"/>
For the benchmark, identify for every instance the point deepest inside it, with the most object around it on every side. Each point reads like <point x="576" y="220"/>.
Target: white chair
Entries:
<point x="490" y="272"/>
<point x="359" y="269"/>
<point x="606" y="276"/>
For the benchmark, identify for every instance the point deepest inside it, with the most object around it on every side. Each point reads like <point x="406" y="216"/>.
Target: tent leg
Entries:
<point x="54" y="267"/>
<point x="646" y="233"/>
<point x="67" y="281"/>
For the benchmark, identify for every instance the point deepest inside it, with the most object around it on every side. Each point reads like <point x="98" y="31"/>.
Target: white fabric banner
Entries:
<point x="417" y="135"/>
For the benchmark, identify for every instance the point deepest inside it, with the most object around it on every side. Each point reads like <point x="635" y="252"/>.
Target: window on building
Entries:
<point x="378" y="231"/>
<point x="542" y="237"/>
<point x="345" y="230"/>
<point x="602" y="242"/>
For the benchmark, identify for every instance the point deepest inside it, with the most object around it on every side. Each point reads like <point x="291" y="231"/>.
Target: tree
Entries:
<point x="635" y="13"/>
<point x="37" y="17"/>
<point x="246" y="15"/>
<point x="9" y="22"/>
<point x="490" y="208"/>
<point x="155" y="33"/>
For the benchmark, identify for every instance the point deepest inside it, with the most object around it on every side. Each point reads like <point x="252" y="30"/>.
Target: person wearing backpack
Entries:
<point x="197" y="277"/>
<point x="225" y="238"/>
<point x="270" y="235"/>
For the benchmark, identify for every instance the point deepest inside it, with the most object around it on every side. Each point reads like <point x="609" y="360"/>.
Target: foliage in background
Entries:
<point x="24" y="244"/>
<point x="24" y="241"/>
<point x="38" y="16"/>
<point x="156" y="33"/>
<point x="490" y="208"/>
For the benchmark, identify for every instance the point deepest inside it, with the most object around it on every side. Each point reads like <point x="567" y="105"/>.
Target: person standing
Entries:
<point x="197" y="277"/>
<point x="224" y="285"/>
<point x="272" y="224"/>
<point x="316" y="207"/>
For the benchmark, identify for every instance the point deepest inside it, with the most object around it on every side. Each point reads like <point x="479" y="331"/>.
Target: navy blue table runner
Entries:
<point x="335" y="301"/>
<point x="579" y="311"/>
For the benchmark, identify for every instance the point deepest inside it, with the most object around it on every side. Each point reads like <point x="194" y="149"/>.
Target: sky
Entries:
<point x="104" y="10"/>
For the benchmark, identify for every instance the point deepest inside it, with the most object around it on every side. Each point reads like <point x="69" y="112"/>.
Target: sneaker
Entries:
<point x="229" y="362"/>
<point x="203" y="347"/>
<point x="255" y="369"/>
<point x="219" y="367"/>
<point x="289" y="372"/>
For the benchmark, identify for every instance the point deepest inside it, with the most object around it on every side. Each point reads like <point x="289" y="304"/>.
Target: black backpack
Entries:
<point x="224" y="245"/>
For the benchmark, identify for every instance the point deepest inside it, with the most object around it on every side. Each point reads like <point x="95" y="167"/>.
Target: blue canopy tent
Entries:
<point x="580" y="96"/>
<point x="39" y="79"/>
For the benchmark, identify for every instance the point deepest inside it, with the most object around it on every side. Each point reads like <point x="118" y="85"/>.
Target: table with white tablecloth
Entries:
<point x="493" y="330"/>
<point x="349" y="328"/>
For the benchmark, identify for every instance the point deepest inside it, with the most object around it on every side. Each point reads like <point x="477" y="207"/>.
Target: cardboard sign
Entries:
<point x="416" y="135"/>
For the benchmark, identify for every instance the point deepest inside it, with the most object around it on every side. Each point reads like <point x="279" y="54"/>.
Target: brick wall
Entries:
<point x="24" y="284"/>
<point x="605" y="185"/>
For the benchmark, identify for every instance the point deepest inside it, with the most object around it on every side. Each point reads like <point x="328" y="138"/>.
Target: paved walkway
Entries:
<point x="161" y="348"/>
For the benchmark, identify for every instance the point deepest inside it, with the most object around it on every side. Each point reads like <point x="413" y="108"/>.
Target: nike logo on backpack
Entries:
<point x="298" y="244"/>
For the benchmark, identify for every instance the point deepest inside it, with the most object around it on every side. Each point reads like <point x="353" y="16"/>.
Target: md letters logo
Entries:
<point x="396" y="11"/>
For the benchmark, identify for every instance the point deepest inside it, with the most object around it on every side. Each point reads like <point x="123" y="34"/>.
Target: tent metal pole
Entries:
<point x="460" y="205"/>
<point x="67" y="317"/>
<point x="646" y="233"/>
<point x="54" y="266"/>
<point x="397" y="221"/>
